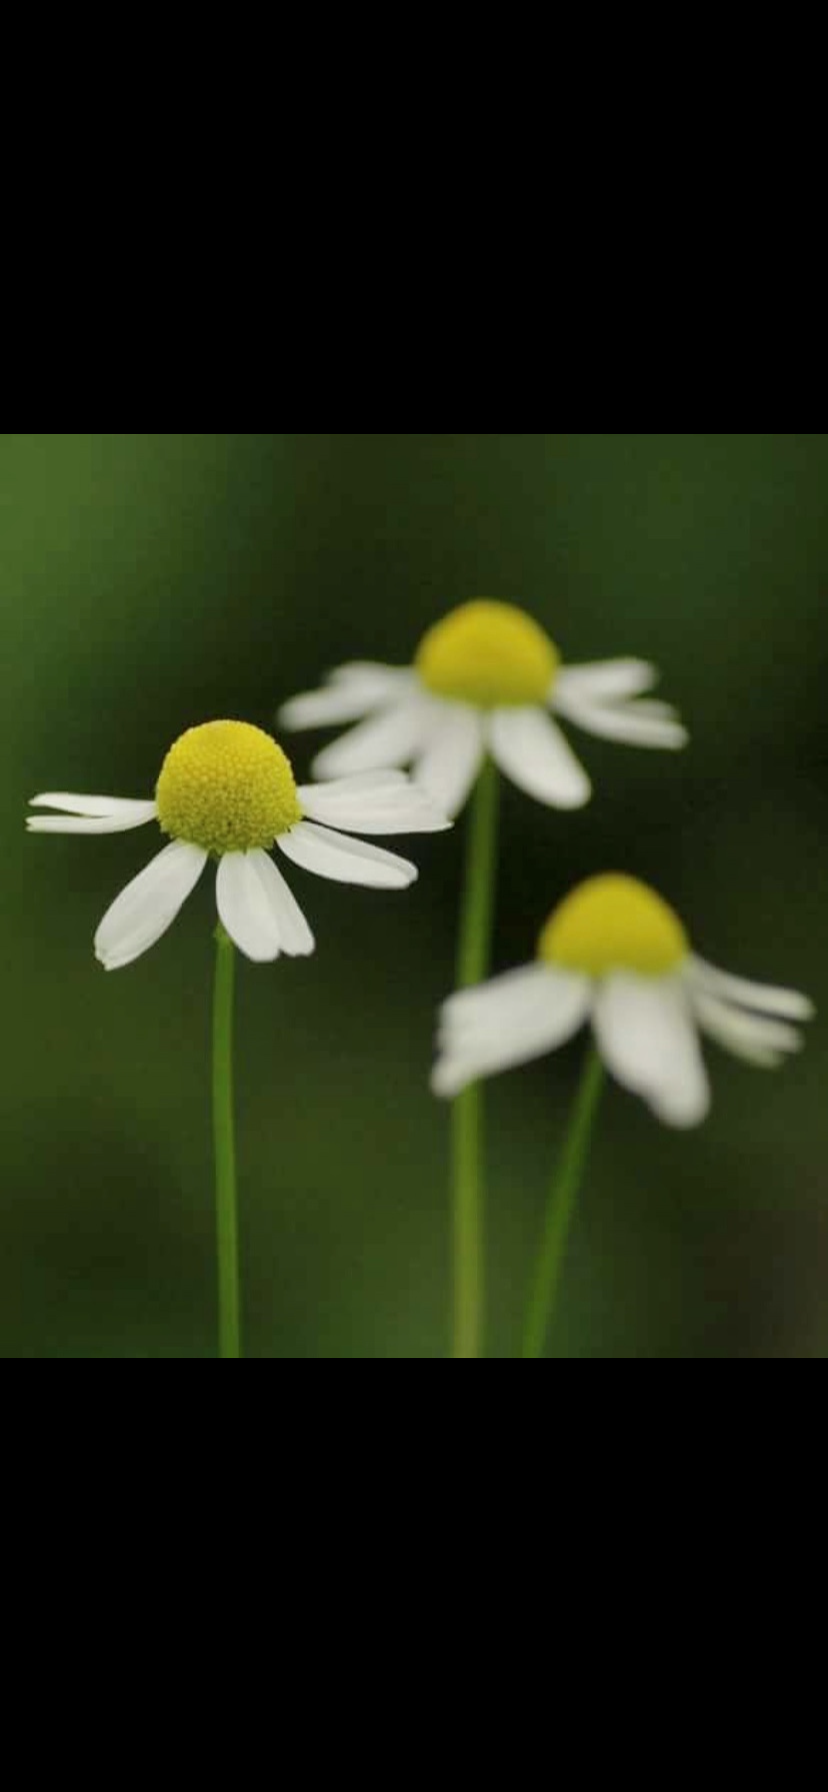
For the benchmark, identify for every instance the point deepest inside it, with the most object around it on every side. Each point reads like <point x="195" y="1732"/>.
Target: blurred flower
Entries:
<point x="484" y="680"/>
<point x="614" y="953"/>
<point x="227" y="792"/>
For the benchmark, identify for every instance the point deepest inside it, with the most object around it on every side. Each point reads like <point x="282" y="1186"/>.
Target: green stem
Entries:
<point x="477" y="916"/>
<point x="565" y="1189"/>
<point x="225" y="1143"/>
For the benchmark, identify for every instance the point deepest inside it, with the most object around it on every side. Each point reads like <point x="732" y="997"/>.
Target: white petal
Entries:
<point x="375" y="803"/>
<point x="93" y="806"/>
<point x="294" y="932"/>
<point x="352" y="692"/>
<point x="372" y="783"/>
<point x="345" y="860"/>
<point x="606" y="681"/>
<point x="508" y="1022"/>
<point x="246" y="909"/>
<point x="532" y="751"/>
<point x="635" y="725"/>
<point x="323" y="709"/>
<point x="504" y="1000"/>
<point x="647" y="1036"/>
<point x="764" y="998"/>
<point x="373" y="676"/>
<point x="750" y="1036"/>
<point x="390" y="739"/>
<point x="149" y="905"/>
<point x="651" y="707"/>
<point x="89" y="815"/>
<point x="453" y="755"/>
<point x="258" y="910"/>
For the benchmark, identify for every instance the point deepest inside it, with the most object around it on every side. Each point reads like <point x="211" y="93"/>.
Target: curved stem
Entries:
<point x="225" y="1145"/>
<point x="477" y="915"/>
<point x="565" y="1190"/>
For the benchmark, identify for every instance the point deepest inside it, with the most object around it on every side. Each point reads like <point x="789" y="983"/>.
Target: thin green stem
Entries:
<point x="225" y="1144"/>
<point x="474" y="957"/>
<point x="565" y="1190"/>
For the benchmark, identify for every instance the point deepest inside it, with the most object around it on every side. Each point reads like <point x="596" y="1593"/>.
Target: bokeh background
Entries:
<point x="150" y="582"/>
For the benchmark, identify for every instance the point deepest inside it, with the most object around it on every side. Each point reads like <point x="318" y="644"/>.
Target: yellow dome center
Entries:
<point x="611" y="924"/>
<point x="227" y="787"/>
<point x="489" y="654"/>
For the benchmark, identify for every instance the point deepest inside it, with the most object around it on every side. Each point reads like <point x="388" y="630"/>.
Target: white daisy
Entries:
<point x="615" y="954"/>
<point x="484" y="681"/>
<point x="227" y="792"/>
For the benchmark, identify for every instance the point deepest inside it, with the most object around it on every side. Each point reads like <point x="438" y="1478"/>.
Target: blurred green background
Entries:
<point x="150" y="582"/>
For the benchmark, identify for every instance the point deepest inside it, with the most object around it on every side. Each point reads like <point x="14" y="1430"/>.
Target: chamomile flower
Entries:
<point x="227" y="792"/>
<point x="486" y="679"/>
<point x="615" y="954"/>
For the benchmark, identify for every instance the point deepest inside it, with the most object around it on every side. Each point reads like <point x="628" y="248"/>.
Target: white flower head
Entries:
<point x="484" y="680"/>
<point x="227" y="792"/>
<point x="615" y="954"/>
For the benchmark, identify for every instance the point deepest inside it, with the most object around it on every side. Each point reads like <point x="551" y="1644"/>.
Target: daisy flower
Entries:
<point x="616" y="954"/>
<point x="227" y="793"/>
<point x="486" y="680"/>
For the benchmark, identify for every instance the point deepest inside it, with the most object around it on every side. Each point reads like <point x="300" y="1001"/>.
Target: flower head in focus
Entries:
<point x="486" y="679"/>
<point x="227" y="792"/>
<point x="615" y="954"/>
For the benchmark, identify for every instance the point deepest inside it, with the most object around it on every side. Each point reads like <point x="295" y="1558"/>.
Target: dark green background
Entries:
<point x="149" y="582"/>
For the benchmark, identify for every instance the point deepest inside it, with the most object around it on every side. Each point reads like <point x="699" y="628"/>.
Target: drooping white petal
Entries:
<point x="373" y="803"/>
<point x="761" y="998"/>
<point x="452" y="756"/>
<point x="352" y="692"/>
<point x="606" y="681"/>
<point x="633" y="724"/>
<point x="89" y="815"/>
<point x="246" y="909"/>
<point x="149" y="905"/>
<point x="508" y="1022"/>
<point x="345" y="860"/>
<point x="390" y="739"/>
<point x="750" y="1036"/>
<point x="648" y="1038"/>
<point x="294" y="932"/>
<point x="532" y="751"/>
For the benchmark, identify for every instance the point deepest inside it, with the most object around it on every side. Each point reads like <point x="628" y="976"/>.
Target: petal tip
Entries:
<point x="574" y="802"/>
<point x="444" y="1083"/>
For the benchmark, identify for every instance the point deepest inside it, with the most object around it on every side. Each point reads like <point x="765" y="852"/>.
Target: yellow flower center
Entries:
<point x="490" y="654"/>
<point x="614" y="923"/>
<point x="227" y="787"/>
